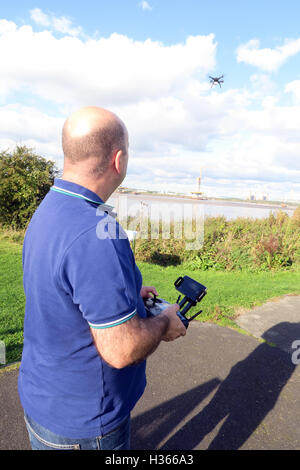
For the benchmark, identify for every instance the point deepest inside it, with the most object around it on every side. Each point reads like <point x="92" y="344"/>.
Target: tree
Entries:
<point x="25" y="179"/>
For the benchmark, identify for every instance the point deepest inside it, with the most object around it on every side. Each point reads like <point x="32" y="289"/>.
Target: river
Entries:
<point x="131" y="204"/>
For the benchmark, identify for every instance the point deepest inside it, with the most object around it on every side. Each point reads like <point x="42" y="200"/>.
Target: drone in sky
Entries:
<point x="216" y="80"/>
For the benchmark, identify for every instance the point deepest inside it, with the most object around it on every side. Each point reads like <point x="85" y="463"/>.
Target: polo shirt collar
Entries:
<point x="76" y="190"/>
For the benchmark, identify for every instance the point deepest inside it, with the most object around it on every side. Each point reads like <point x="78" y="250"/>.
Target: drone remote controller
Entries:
<point x="193" y="293"/>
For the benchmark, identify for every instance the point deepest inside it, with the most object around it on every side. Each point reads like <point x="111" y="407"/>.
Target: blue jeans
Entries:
<point x="42" y="439"/>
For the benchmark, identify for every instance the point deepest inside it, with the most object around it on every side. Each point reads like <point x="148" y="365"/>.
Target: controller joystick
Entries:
<point x="193" y="293"/>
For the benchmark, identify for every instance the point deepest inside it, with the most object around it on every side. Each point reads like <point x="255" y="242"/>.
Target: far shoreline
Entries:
<point x="137" y="195"/>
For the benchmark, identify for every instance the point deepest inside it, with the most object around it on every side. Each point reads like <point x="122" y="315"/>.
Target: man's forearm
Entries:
<point x="151" y="332"/>
<point x="132" y="341"/>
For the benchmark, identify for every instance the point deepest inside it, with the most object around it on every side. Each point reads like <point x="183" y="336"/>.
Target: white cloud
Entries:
<point x="60" y="24"/>
<point x="176" y="122"/>
<point x="267" y="59"/>
<point x="294" y="88"/>
<point x="262" y="83"/>
<point x="39" y="17"/>
<point x="25" y="125"/>
<point x="27" y="122"/>
<point x="7" y="27"/>
<point x="141" y="80"/>
<point x="109" y="71"/>
<point x="145" y="5"/>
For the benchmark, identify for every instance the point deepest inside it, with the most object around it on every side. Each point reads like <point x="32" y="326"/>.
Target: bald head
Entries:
<point x="93" y="135"/>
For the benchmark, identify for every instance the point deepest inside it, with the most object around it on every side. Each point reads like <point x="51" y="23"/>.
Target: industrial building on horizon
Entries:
<point x="257" y="196"/>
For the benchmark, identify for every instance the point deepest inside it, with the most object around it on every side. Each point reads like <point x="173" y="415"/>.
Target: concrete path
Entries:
<point x="219" y="389"/>
<point x="213" y="389"/>
<point x="277" y="321"/>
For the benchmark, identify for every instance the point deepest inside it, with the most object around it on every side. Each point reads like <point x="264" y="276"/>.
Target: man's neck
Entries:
<point x="102" y="188"/>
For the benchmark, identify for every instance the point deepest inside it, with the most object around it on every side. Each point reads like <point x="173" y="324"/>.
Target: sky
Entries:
<point x="149" y="62"/>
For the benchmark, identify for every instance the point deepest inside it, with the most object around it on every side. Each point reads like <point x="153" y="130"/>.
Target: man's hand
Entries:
<point x="176" y="327"/>
<point x="146" y="291"/>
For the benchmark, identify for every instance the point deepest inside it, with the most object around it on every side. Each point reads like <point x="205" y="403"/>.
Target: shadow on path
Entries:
<point x="149" y="428"/>
<point x="242" y="401"/>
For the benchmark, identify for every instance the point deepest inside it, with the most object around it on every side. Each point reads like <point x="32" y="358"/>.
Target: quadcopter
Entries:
<point x="216" y="80"/>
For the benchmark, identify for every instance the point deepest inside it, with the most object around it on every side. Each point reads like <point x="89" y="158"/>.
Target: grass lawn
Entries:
<point x="12" y="299"/>
<point x="228" y="292"/>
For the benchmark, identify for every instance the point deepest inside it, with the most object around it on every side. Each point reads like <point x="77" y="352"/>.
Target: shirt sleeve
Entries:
<point x="100" y="277"/>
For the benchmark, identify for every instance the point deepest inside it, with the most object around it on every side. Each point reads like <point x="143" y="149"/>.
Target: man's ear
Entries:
<point x="119" y="161"/>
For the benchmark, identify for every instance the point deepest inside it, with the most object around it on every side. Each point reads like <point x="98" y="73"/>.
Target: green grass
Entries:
<point x="228" y="292"/>
<point x="12" y="299"/>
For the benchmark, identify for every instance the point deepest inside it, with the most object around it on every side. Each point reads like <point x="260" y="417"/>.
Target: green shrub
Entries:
<point x="25" y="179"/>
<point x="296" y="217"/>
<point x="256" y="245"/>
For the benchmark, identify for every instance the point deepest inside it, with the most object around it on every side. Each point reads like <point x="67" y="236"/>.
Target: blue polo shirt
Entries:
<point x="79" y="272"/>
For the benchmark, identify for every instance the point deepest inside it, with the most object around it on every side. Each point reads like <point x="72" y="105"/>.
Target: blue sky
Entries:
<point x="149" y="62"/>
<point x="172" y="20"/>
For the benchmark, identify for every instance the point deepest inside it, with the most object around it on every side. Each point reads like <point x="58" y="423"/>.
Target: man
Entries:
<point x="86" y="334"/>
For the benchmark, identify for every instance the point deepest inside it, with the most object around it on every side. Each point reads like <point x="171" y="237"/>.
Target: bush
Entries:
<point x="256" y="245"/>
<point x="296" y="217"/>
<point x="25" y="179"/>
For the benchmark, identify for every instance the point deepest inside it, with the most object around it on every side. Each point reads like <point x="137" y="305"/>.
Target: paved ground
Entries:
<point x="213" y="389"/>
<point x="277" y="321"/>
